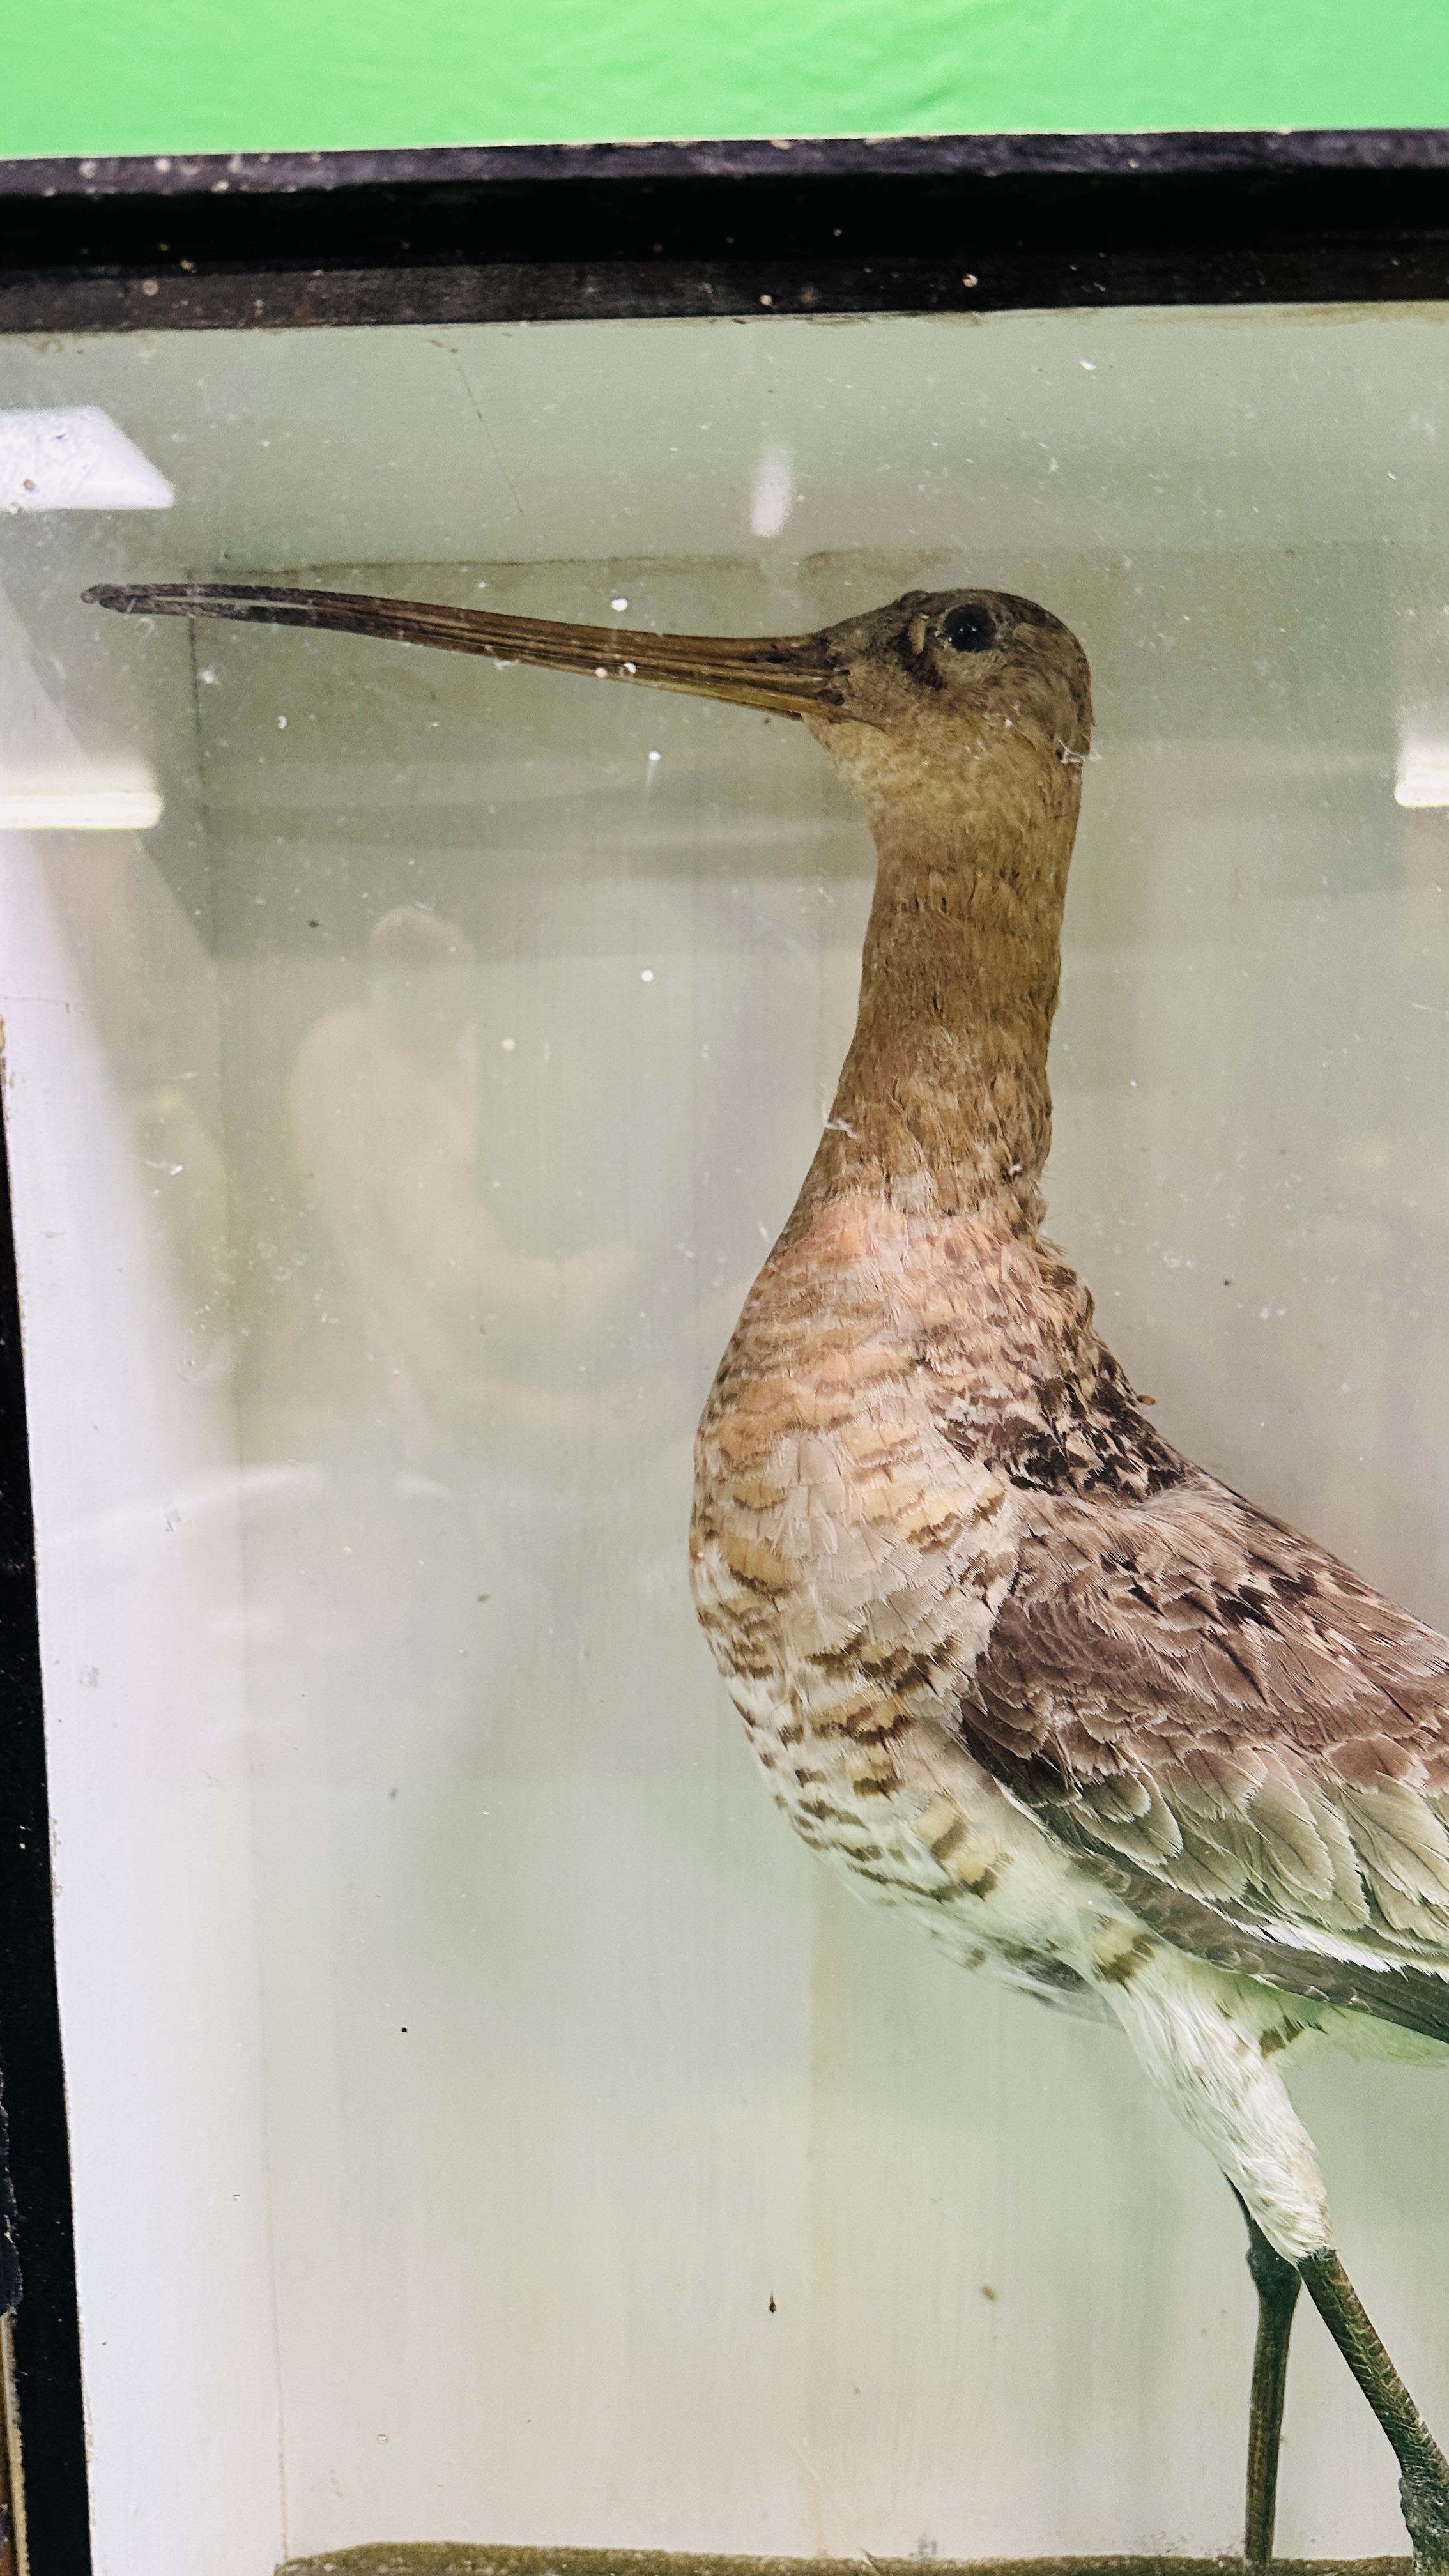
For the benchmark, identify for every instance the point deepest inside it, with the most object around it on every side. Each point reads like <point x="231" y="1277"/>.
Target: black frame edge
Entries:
<point x="534" y="233"/>
<point x="47" y="2325"/>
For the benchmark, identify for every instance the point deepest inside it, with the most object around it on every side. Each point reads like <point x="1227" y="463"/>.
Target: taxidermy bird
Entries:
<point x="1007" y="1659"/>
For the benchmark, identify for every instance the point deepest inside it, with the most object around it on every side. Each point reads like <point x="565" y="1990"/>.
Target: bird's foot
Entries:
<point x="1424" y="2497"/>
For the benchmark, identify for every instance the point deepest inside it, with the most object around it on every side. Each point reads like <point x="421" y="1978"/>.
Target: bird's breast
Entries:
<point x="842" y="1542"/>
<point x="856" y="1504"/>
<point x="849" y="1552"/>
<point x="856" y="1527"/>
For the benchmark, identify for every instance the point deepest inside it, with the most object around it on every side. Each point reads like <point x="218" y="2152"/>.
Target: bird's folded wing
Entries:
<point x="1193" y="1695"/>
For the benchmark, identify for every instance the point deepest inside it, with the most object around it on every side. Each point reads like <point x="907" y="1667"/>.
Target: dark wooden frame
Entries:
<point x="970" y="224"/>
<point x="569" y="232"/>
<point x="47" y="2526"/>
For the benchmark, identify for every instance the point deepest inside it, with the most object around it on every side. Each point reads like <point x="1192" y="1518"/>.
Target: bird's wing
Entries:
<point x="1251" y="1742"/>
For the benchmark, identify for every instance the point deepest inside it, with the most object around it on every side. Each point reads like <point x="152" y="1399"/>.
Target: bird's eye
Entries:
<point x="969" y="630"/>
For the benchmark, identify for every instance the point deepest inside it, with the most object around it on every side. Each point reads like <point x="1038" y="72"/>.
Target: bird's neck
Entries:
<point x="943" y="1105"/>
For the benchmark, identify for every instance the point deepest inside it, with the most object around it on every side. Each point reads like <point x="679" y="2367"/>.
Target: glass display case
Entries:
<point x="488" y="2124"/>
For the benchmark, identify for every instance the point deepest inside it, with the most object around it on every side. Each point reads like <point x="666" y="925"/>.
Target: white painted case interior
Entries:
<point x="487" y="2123"/>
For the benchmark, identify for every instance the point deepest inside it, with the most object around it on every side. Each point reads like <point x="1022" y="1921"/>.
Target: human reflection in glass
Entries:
<point x="386" y="1102"/>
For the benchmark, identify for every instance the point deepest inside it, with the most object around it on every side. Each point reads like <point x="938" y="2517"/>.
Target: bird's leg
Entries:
<point x="1277" y="2283"/>
<point x="1423" y="2469"/>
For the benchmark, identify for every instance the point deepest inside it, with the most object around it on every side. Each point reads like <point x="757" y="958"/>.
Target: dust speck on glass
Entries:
<point x="409" y="1067"/>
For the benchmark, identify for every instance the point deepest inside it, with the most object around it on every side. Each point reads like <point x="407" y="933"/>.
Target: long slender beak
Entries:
<point x="788" y="675"/>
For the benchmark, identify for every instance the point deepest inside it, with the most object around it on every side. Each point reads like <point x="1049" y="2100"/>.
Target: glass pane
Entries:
<point x="490" y="2123"/>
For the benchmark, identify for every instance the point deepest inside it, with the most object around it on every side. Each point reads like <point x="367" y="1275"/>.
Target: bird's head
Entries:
<point x="927" y="700"/>
<point x="946" y="699"/>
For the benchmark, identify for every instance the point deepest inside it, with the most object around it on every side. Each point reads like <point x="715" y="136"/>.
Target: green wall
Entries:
<point x="102" y="76"/>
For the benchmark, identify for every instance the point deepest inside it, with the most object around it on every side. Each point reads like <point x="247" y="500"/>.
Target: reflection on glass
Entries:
<point x="385" y="1104"/>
